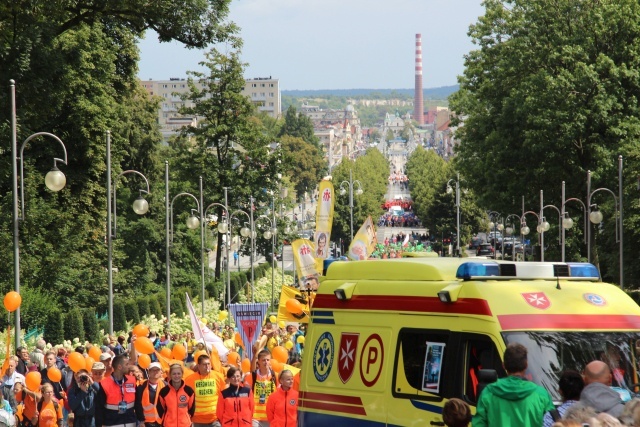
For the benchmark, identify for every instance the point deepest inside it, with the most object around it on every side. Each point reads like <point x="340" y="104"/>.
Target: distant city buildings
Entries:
<point x="264" y="93"/>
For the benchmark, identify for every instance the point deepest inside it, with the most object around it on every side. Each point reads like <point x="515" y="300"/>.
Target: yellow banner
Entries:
<point x="294" y="306"/>
<point x="364" y="241"/>
<point x="324" y="219"/>
<point x="308" y="267"/>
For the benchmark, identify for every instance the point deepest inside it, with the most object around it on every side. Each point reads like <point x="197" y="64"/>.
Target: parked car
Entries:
<point x="484" y="249"/>
<point x="475" y="242"/>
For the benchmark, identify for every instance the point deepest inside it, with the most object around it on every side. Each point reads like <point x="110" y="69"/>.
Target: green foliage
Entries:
<point x="143" y="306"/>
<point x="119" y="316"/>
<point x="54" y="327"/>
<point x="297" y="125"/>
<point x="90" y="324"/>
<point x="544" y="101"/>
<point x="161" y="298"/>
<point x="74" y="325"/>
<point x="131" y="311"/>
<point x="372" y="172"/>
<point x="154" y="307"/>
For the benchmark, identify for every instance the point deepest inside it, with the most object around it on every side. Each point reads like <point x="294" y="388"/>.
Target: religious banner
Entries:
<point x="294" y="306"/>
<point x="364" y="242"/>
<point x="249" y="319"/>
<point x="307" y="266"/>
<point x="324" y="220"/>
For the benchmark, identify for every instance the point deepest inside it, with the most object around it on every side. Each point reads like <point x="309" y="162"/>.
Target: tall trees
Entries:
<point x="544" y="100"/>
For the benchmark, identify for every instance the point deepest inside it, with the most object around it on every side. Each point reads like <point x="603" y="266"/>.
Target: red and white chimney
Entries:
<point x="418" y="102"/>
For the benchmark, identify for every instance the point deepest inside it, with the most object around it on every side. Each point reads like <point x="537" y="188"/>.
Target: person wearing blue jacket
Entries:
<point x="82" y="393"/>
<point x="514" y="400"/>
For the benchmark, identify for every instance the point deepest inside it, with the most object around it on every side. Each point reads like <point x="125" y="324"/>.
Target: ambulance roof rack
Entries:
<point x="494" y="270"/>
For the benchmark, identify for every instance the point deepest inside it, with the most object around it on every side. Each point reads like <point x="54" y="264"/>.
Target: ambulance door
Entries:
<point x="424" y="376"/>
<point x="480" y="352"/>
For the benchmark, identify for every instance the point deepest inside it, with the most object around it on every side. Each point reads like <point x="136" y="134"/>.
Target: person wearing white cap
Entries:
<point x="106" y="358"/>
<point x="147" y="397"/>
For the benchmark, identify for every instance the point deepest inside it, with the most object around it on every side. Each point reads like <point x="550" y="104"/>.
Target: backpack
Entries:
<point x="254" y="376"/>
<point x="55" y="405"/>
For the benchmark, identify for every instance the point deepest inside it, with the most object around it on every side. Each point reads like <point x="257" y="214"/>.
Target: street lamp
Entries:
<point x="271" y="234"/>
<point x="224" y="228"/>
<point x="567" y="222"/>
<point x="542" y="226"/>
<point x="449" y="191"/>
<point x="248" y="232"/>
<point x="193" y="222"/>
<point x="54" y="180"/>
<point x="509" y="231"/>
<point x="343" y="191"/>
<point x="140" y="207"/>
<point x="596" y="217"/>
<point x="494" y="217"/>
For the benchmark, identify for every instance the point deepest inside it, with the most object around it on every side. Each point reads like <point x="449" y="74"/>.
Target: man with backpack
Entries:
<point x="263" y="382"/>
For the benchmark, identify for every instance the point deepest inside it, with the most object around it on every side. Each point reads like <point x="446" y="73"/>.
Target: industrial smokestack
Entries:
<point x="418" y="102"/>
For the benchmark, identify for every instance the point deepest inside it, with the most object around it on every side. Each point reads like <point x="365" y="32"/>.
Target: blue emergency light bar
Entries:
<point x="527" y="270"/>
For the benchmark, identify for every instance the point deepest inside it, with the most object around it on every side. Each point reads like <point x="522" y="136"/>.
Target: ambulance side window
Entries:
<point x="422" y="364"/>
<point x="481" y="353"/>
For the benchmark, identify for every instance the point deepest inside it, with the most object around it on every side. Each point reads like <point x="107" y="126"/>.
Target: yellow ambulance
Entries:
<point x="390" y="341"/>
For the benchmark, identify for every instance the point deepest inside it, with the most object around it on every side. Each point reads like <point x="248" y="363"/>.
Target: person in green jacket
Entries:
<point x="513" y="401"/>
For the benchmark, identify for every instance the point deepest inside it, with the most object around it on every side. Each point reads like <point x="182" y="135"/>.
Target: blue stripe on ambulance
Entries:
<point x="311" y="419"/>
<point x="323" y="317"/>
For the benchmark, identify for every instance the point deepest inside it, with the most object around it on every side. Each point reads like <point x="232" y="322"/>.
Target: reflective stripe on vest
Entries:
<point x="149" y="409"/>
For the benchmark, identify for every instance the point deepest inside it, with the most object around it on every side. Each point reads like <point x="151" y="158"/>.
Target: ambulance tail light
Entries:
<point x="450" y="293"/>
<point x="344" y="292"/>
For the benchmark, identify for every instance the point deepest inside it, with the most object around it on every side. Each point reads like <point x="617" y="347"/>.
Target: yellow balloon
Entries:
<point x="288" y="345"/>
<point x="300" y="339"/>
<point x="204" y="320"/>
<point x="272" y="319"/>
<point x="281" y="324"/>
<point x="223" y="315"/>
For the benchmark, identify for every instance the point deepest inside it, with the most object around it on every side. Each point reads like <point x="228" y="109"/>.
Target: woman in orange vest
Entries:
<point x="176" y="403"/>
<point x="235" y="404"/>
<point x="282" y="406"/>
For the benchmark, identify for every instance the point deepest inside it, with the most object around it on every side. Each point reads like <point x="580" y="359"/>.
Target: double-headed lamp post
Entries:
<point x="596" y="217"/>
<point x="193" y="222"/>
<point x="54" y="180"/>
<point x="271" y="233"/>
<point x="247" y="232"/>
<point x="567" y="222"/>
<point x="496" y="225"/>
<point x="449" y="191"/>
<point x="343" y="191"/>
<point x="542" y="226"/>
<point x="223" y="228"/>
<point x="509" y="232"/>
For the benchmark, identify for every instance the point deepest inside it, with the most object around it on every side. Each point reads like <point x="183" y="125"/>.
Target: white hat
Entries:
<point x="154" y="365"/>
<point x="105" y="356"/>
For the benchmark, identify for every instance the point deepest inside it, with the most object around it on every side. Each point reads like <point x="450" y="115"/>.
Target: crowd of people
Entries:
<point x="588" y="399"/>
<point x="397" y="244"/>
<point x="406" y="219"/>
<point x="109" y="385"/>
<point x="398" y="178"/>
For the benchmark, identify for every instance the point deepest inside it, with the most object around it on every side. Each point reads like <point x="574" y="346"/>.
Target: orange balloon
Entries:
<point x="33" y="380"/>
<point x="276" y="365"/>
<point x="54" y="374"/>
<point x="95" y="352"/>
<point x="179" y="352"/>
<point x="294" y="306"/>
<point x="166" y="352"/>
<point x="88" y="363"/>
<point x="246" y="365"/>
<point x="143" y="345"/>
<point x="238" y="339"/>
<point x="233" y="358"/>
<point x="76" y="361"/>
<point x="12" y="301"/>
<point x="144" y="360"/>
<point x="280" y="353"/>
<point x="141" y="330"/>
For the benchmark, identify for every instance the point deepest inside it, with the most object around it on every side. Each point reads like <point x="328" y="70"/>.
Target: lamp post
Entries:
<point x="247" y="232"/>
<point x="509" y="231"/>
<point x="223" y="227"/>
<point x="54" y="180"/>
<point x="560" y="242"/>
<point x="343" y="191"/>
<point x="494" y="217"/>
<point x="271" y="234"/>
<point x="543" y="226"/>
<point x="567" y="222"/>
<point x="192" y="223"/>
<point x="449" y="191"/>
<point x="140" y="206"/>
<point x="596" y="216"/>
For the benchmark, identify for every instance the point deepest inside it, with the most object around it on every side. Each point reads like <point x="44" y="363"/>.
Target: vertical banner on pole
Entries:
<point x="249" y="318"/>
<point x="324" y="219"/>
<point x="308" y="266"/>
<point x="364" y="241"/>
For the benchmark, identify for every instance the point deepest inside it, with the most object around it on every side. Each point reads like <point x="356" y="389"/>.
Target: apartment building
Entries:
<point x="263" y="92"/>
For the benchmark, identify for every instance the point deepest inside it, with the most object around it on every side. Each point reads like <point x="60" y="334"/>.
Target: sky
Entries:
<point x="336" y="44"/>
